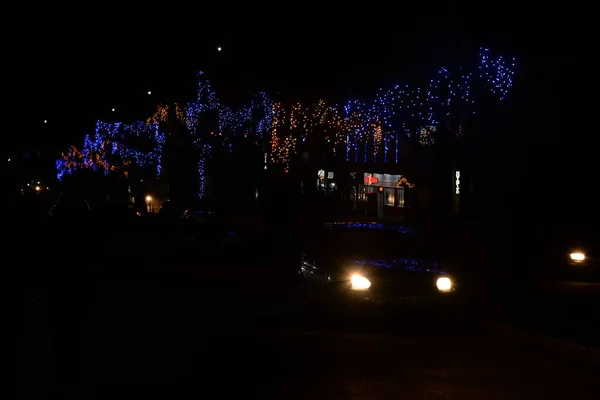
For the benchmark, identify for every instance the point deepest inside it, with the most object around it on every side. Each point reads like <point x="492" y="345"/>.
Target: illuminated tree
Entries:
<point x="369" y="130"/>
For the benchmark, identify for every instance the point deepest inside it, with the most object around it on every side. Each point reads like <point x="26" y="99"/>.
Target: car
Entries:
<point x="582" y="263"/>
<point x="568" y="255"/>
<point x="69" y="209"/>
<point x="355" y="264"/>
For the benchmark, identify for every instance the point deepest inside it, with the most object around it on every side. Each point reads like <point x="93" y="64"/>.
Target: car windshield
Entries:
<point x="372" y="241"/>
<point x="69" y="207"/>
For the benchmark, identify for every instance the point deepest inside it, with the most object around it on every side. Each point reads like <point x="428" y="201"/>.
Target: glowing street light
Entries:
<point x="149" y="204"/>
<point x="219" y="48"/>
<point x="45" y="121"/>
<point x="113" y="110"/>
<point x="149" y="92"/>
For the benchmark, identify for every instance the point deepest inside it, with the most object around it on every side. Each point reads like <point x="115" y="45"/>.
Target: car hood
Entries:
<point x="390" y="265"/>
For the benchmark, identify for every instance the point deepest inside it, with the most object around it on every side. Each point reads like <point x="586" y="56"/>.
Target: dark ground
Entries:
<point x="121" y="318"/>
<point x="565" y="310"/>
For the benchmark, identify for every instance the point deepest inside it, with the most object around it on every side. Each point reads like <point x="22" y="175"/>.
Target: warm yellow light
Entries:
<point x="148" y="198"/>
<point x="577" y="256"/>
<point x="444" y="284"/>
<point x="360" y="282"/>
<point x="37" y="188"/>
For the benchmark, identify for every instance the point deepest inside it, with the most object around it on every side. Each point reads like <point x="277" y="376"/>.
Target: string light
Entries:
<point x="406" y="264"/>
<point x="372" y="130"/>
<point x="377" y="226"/>
<point x="496" y="72"/>
<point x="117" y="147"/>
<point x="367" y="130"/>
<point x="427" y="135"/>
<point x="205" y="153"/>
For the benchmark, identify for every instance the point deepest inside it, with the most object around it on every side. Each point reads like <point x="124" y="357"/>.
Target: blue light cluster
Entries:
<point x="370" y="225"/>
<point x="204" y="154"/>
<point x="251" y="120"/>
<point x="406" y="264"/>
<point x="375" y="129"/>
<point x="497" y="72"/>
<point x="114" y="147"/>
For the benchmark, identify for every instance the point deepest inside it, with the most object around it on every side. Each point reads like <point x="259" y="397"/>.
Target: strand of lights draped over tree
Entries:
<point x="249" y="122"/>
<point x="370" y="130"/>
<point x="117" y="147"/>
<point x="373" y="130"/>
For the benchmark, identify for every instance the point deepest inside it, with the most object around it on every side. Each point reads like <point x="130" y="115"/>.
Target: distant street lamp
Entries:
<point x="219" y="48"/>
<point x="45" y="121"/>
<point x="149" y="92"/>
<point x="149" y="204"/>
<point x="113" y="110"/>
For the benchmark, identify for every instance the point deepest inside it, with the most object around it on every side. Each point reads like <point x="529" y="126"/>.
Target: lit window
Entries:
<point x="401" y="197"/>
<point x="390" y="196"/>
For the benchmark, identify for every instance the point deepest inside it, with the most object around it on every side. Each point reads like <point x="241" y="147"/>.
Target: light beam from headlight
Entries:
<point x="444" y="284"/>
<point x="577" y="256"/>
<point x="360" y="282"/>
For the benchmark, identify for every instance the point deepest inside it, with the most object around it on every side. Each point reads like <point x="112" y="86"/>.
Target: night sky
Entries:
<point x="81" y="63"/>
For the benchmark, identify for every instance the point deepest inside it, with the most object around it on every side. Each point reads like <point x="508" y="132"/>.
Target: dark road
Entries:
<point x="329" y="365"/>
<point x="150" y="339"/>
<point x="565" y="310"/>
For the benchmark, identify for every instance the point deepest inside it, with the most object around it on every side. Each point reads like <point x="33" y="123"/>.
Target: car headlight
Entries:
<point x="444" y="284"/>
<point x="360" y="282"/>
<point x="577" y="256"/>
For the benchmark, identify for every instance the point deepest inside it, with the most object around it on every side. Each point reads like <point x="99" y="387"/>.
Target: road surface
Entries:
<point x="155" y="339"/>
<point x="561" y="309"/>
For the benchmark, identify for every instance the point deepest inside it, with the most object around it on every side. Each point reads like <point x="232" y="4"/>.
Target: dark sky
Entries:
<point x="76" y="64"/>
